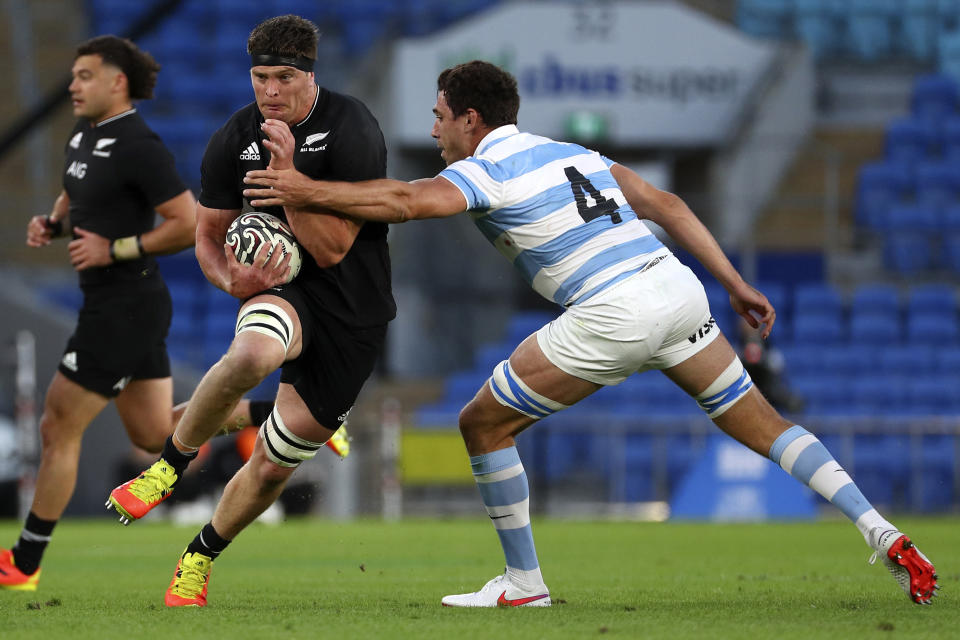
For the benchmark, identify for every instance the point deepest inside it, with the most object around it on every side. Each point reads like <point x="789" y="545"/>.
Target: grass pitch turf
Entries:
<point x="367" y="579"/>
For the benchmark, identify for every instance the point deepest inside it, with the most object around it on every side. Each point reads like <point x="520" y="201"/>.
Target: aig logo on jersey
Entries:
<point x="77" y="169"/>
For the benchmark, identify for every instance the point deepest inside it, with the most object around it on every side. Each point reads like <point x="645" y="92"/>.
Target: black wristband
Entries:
<point x="113" y="256"/>
<point x="55" y="226"/>
<point x="140" y="246"/>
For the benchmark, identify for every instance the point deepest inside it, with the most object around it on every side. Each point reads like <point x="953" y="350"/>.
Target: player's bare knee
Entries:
<point x="56" y="434"/>
<point x="270" y="475"/>
<point x="249" y="365"/>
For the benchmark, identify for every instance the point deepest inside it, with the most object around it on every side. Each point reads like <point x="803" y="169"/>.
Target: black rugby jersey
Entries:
<point x="115" y="173"/>
<point x="339" y="140"/>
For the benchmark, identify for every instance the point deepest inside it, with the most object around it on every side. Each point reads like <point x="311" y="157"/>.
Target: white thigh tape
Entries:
<point x="510" y="391"/>
<point x="282" y="446"/>
<point x="268" y="319"/>
<point x="726" y="390"/>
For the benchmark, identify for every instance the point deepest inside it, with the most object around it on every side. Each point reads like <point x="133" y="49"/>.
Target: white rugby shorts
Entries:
<point x="654" y="319"/>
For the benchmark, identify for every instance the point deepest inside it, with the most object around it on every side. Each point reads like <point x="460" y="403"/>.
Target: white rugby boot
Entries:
<point x="500" y="592"/>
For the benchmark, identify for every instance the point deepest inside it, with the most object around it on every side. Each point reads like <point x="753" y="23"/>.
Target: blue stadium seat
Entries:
<point x="817" y="328"/>
<point x="906" y="360"/>
<point x="818" y="24"/>
<point x="950" y="258"/>
<point x="938" y="184"/>
<point x="765" y="18"/>
<point x="823" y="394"/>
<point x="874" y="328"/>
<point x="460" y="387"/>
<point x="817" y="297"/>
<point x="938" y="470"/>
<point x="946" y="359"/>
<point x="524" y="323"/>
<point x="874" y="394"/>
<point x="934" y="97"/>
<point x="933" y="395"/>
<point x="853" y="359"/>
<point x="949" y="218"/>
<point x="870" y="27"/>
<point x="908" y="253"/>
<point x="919" y="30"/>
<point x="934" y="329"/>
<point x="804" y="359"/>
<point x="950" y="138"/>
<point x="877" y="296"/>
<point x="932" y="298"/>
<point x="879" y="185"/>
<point x="489" y="355"/>
<point x="909" y="217"/>
<point x="910" y="140"/>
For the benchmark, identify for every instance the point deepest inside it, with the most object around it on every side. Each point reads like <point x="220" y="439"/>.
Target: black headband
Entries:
<point x="270" y="60"/>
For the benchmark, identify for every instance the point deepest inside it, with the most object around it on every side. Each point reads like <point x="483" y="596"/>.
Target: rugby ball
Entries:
<point x="252" y="230"/>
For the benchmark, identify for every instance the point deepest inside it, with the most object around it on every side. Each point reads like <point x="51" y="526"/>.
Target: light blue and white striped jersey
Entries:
<point x="555" y="211"/>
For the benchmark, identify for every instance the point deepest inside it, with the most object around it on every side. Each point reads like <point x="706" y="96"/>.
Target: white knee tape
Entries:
<point x="268" y="319"/>
<point x="510" y="391"/>
<point x="726" y="390"/>
<point x="282" y="446"/>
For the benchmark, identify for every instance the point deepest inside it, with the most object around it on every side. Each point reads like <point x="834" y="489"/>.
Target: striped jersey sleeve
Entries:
<point x="555" y="211"/>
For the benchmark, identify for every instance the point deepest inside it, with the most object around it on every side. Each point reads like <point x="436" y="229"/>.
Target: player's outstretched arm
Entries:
<point x="383" y="200"/>
<point x="675" y="217"/>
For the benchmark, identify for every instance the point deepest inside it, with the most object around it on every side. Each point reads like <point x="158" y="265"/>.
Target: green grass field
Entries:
<point x="314" y="578"/>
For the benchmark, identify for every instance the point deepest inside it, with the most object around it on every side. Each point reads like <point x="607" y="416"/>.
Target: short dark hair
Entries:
<point x="138" y="65"/>
<point x="288" y="35"/>
<point x="482" y="86"/>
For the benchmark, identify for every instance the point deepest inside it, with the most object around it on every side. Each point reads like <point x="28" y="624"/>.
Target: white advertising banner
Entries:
<point x="638" y="74"/>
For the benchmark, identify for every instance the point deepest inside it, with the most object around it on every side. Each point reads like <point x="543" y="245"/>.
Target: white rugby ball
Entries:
<point x="249" y="231"/>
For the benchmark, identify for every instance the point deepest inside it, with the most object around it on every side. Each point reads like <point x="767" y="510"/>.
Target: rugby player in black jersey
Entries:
<point x="117" y="175"/>
<point x="326" y="328"/>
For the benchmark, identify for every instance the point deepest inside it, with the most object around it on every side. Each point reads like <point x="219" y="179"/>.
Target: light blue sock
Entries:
<point x="506" y="496"/>
<point x="803" y="456"/>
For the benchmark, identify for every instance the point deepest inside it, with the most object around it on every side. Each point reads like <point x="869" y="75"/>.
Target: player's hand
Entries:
<point x="88" y="249"/>
<point x="753" y="306"/>
<point x="279" y="188"/>
<point x="279" y="142"/>
<point x="39" y="233"/>
<point x="269" y="269"/>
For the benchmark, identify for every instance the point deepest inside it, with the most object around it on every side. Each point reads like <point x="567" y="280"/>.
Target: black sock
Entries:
<point x="208" y="542"/>
<point x="176" y="458"/>
<point x="33" y="541"/>
<point x="259" y="410"/>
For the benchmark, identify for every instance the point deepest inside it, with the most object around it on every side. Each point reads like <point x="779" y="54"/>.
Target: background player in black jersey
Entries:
<point x="117" y="173"/>
<point x="326" y="328"/>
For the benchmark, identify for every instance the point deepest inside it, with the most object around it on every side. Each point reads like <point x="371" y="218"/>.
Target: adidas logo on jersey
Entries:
<point x="70" y="360"/>
<point x="252" y="152"/>
<point x="122" y="382"/>
<point x="75" y="140"/>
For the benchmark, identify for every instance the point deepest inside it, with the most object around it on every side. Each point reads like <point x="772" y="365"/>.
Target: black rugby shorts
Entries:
<point x="335" y="361"/>
<point x="120" y="336"/>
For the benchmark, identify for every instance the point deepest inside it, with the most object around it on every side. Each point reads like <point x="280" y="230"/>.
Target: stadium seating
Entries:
<point x="870" y="26"/>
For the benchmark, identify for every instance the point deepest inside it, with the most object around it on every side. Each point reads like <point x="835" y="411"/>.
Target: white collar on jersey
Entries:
<point x="496" y="135"/>
<point x="116" y="117"/>
<point x="316" y="98"/>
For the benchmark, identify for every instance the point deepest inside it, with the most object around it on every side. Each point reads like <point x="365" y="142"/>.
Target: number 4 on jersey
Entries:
<point x="581" y="187"/>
